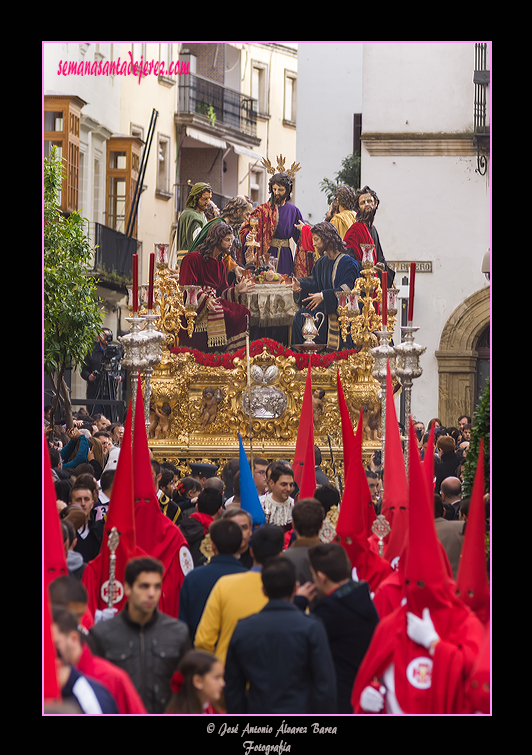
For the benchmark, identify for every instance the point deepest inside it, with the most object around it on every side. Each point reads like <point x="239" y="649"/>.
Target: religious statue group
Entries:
<point x="223" y="252"/>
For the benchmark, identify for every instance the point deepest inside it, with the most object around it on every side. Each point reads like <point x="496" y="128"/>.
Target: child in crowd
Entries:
<point x="197" y="685"/>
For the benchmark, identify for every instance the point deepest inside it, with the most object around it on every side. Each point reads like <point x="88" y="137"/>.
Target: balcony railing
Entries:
<point x="114" y="251"/>
<point x="218" y="103"/>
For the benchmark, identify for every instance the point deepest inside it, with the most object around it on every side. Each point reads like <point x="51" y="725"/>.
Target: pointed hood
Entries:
<point x="354" y="518"/>
<point x="472" y="585"/>
<point x="425" y="573"/>
<point x="249" y="497"/>
<point x="428" y="460"/>
<point x="348" y="434"/>
<point x="428" y="580"/>
<point x="54" y="559"/>
<point x="50" y="690"/>
<point x="423" y="684"/>
<point x="395" y="494"/>
<point x="304" y="459"/>
<point x="157" y="535"/>
<point x="368" y="509"/>
<point x="120" y="515"/>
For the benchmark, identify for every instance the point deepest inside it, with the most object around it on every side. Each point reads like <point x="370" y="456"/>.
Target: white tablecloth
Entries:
<point x="270" y="304"/>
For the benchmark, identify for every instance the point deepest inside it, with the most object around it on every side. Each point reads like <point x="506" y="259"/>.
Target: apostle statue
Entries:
<point x="335" y="270"/>
<point x="192" y="219"/>
<point x="222" y="322"/>
<point x="277" y="222"/>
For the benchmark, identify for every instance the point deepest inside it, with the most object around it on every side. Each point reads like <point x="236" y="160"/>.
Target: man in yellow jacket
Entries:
<point x="236" y="596"/>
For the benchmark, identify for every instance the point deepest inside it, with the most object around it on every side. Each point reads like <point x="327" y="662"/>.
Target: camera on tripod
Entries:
<point x="111" y="358"/>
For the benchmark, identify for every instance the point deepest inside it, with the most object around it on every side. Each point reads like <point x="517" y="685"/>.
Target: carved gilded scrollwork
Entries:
<point x="282" y="397"/>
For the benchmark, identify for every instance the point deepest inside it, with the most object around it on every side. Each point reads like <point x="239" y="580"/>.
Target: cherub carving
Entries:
<point x="162" y="430"/>
<point x="373" y="414"/>
<point x="209" y="406"/>
<point x="318" y="395"/>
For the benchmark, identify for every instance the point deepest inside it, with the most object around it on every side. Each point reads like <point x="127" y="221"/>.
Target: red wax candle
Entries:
<point x="411" y="294"/>
<point x="135" y="283"/>
<point x="150" y="282"/>
<point x="384" y="299"/>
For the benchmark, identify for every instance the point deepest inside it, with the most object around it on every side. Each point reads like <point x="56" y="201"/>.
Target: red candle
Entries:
<point x="411" y="294"/>
<point x="384" y="299"/>
<point x="150" y="282"/>
<point x="135" y="283"/>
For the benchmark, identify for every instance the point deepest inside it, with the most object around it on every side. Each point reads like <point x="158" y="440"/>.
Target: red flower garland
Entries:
<point x="256" y="347"/>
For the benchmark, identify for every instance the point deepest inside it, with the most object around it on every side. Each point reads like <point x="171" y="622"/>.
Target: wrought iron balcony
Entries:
<point x="113" y="255"/>
<point x="218" y="103"/>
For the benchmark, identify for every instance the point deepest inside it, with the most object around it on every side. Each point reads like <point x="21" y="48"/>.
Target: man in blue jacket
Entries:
<point x="226" y="539"/>
<point x="279" y="661"/>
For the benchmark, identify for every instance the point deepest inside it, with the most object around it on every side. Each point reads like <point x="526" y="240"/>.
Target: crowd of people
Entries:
<point x="271" y="619"/>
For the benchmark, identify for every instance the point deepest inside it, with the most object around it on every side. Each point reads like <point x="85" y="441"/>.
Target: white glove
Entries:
<point x="104" y="614"/>
<point x="372" y="700"/>
<point x="421" y="630"/>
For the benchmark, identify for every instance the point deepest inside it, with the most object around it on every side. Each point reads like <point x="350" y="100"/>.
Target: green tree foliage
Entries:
<point x="480" y="429"/>
<point x="349" y="174"/>
<point x="72" y="314"/>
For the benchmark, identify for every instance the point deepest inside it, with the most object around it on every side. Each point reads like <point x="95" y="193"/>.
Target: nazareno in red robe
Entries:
<point x="224" y="329"/>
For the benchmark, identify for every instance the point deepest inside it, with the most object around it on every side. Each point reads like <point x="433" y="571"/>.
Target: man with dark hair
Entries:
<point x="449" y="460"/>
<point x="346" y="610"/>
<point x="102" y="372"/>
<point x="328" y="495"/>
<point x="278" y="502"/>
<point x="259" y="475"/>
<point x="463" y="421"/>
<point x="277" y="224"/>
<point x="90" y="535"/>
<point x="221" y="321"/>
<point x="366" y="205"/>
<point x="245" y="521"/>
<point x="196" y="526"/>
<point x="165" y="493"/>
<point x="226" y="539"/>
<point x="74" y="651"/>
<point x="236" y="211"/>
<point x="307" y="517"/>
<point x="192" y="219"/>
<point x="87" y="693"/>
<point x="321" y="477"/>
<point x="155" y="642"/>
<point x="335" y="271"/>
<point x="279" y="660"/>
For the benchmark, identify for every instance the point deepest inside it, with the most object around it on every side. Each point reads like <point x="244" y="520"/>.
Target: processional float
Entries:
<point x="196" y="404"/>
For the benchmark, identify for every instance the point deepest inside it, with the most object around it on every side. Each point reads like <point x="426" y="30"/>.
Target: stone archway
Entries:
<point x="457" y="357"/>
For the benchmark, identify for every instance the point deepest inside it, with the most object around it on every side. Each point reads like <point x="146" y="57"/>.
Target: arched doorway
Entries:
<point x="463" y="357"/>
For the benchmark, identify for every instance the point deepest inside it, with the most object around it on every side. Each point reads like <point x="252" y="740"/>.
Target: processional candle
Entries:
<point x="411" y="293"/>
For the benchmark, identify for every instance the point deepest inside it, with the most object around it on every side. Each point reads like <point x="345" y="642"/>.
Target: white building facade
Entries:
<point x="425" y="111"/>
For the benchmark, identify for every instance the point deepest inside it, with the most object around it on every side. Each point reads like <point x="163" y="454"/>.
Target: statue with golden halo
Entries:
<point x="276" y="233"/>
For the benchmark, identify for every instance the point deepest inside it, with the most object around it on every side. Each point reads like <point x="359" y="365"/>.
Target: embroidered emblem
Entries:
<point x="185" y="560"/>
<point x="419" y="672"/>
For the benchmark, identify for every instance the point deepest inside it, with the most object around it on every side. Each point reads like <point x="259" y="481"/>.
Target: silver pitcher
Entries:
<point x="309" y="329"/>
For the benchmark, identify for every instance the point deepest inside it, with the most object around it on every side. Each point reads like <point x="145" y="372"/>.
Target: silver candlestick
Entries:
<point x="135" y="346"/>
<point x="383" y="354"/>
<point x="407" y="368"/>
<point x="154" y="352"/>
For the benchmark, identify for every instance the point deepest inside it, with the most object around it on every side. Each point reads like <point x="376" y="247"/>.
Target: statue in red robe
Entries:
<point x="222" y="322"/>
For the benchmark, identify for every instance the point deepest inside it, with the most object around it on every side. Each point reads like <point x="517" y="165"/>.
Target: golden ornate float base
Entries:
<point x="203" y="401"/>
